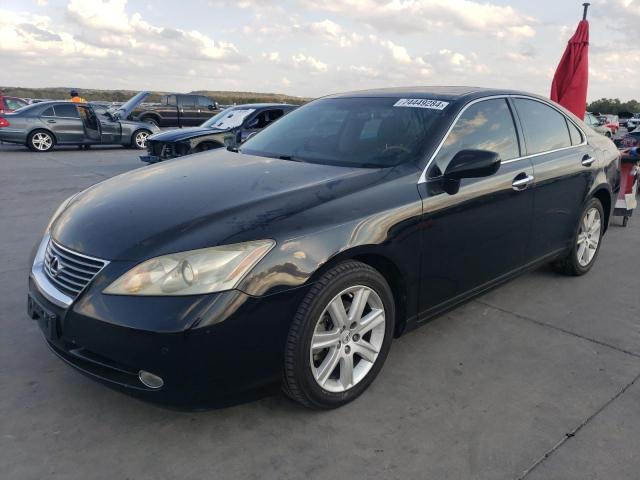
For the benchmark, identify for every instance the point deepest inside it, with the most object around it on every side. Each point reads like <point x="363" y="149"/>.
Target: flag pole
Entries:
<point x="586" y="7"/>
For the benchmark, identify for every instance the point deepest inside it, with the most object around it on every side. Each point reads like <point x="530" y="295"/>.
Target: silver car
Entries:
<point x="596" y="124"/>
<point x="43" y="125"/>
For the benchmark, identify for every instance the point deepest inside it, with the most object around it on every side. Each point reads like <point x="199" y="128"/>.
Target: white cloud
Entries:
<point x="411" y="16"/>
<point x="334" y="33"/>
<point x="301" y="60"/>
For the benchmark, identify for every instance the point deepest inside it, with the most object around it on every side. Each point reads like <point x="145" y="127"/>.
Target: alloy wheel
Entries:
<point x="347" y="338"/>
<point x="42" y="141"/>
<point x="589" y="236"/>
<point x="141" y="139"/>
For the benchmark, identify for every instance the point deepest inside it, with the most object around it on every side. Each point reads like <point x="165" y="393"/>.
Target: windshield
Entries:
<point x="231" y="117"/>
<point x="361" y="132"/>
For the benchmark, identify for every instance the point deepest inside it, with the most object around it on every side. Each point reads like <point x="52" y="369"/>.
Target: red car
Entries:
<point x="11" y="104"/>
<point x="612" y="122"/>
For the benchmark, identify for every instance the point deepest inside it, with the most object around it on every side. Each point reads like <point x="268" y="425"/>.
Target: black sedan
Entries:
<point x="297" y="259"/>
<point x="44" y="125"/>
<point x="229" y="128"/>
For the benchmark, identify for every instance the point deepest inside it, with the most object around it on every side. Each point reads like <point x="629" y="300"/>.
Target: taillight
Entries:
<point x="4" y="122"/>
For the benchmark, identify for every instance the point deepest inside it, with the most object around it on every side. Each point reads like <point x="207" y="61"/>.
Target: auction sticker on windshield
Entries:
<point x="421" y="103"/>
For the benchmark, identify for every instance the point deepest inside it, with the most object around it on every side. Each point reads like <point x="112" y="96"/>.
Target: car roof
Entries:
<point x="446" y="93"/>
<point x="263" y="105"/>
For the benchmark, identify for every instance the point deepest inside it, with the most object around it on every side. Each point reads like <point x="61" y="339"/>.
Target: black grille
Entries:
<point x="70" y="271"/>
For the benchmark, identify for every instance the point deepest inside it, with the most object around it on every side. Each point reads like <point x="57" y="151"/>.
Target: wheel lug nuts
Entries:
<point x="356" y="337"/>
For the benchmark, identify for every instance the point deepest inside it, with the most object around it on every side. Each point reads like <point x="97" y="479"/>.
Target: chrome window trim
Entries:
<point x="423" y="176"/>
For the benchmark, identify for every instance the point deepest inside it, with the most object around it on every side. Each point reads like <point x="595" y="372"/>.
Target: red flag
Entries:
<point x="569" y="87"/>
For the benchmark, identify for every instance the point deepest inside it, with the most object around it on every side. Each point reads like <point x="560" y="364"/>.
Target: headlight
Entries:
<point x="63" y="206"/>
<point x="195" y="272"/>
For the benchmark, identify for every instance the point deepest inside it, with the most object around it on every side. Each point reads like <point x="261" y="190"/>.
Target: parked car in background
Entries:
<point x="11" y="104"/>
<point x="612" y="122"/>
<point x="177" y="110"/>
<point x="298" y="258"/>
<point x="44" y="125"/>
<point x="633" y="122"/>
<point x="624" y="118"/>
<point x="631" y="139"/>
<point x="229" y="128"/>
<point x="597" y="124"/>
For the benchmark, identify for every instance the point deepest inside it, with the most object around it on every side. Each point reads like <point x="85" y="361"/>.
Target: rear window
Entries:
<point x="545" y="128"/>
<point x="66" y="110"/>
<point x="356" y="132"/>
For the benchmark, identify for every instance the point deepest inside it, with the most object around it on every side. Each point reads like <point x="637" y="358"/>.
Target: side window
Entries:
<point x="204" y="102"/>
<point x="574" y="133"/>
<point x="273" y="115"/>
<point x="188" y="101"/>
<point x="545" y="128"/>
<point x="486" y="125"/>
<point x="67" y="110"/>
<point x="171" y="100"/>
<point x="48" y="112"/>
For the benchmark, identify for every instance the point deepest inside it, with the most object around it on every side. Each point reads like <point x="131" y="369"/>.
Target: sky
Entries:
<point x="312" y="47"/>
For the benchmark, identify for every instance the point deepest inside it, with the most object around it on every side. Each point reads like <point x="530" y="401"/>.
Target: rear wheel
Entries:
<point x="340" y="337"/>
<point x="586" y="241"/>
<point x="40" y="141"/>
<point x="139" y="139"/>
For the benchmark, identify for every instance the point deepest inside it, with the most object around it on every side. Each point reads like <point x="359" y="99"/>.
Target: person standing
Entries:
<point x="75" y="97"/>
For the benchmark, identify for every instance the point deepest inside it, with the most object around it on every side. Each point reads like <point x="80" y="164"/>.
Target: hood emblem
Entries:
<point x="55" y="267"/>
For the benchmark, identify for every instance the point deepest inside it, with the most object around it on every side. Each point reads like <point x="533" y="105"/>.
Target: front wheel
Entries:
<point x="340" y="337"/>
<point x="586" y="241"/>
<point x="139" y="139"/>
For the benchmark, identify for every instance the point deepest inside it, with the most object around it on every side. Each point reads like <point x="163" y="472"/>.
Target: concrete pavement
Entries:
<point x="537" y="379"/>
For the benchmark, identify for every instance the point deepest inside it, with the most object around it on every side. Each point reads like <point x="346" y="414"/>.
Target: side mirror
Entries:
<point x="469" y="164"/>
<point x="211" y="108"/>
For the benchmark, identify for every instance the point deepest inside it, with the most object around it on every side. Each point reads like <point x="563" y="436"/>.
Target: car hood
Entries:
<point x="214" y="198"/>
<point x="125" y="110"/>
<point x="180" y="134"/>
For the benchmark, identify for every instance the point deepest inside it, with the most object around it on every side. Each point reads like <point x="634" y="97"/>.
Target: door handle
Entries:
<point x="51" y="121"/>
<point x="587" y="160"/>
<point x="520" y="183"/>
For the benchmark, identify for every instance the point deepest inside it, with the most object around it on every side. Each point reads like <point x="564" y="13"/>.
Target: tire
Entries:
<point x="319" y="378"/>
<point x="41" y="141"/>
<point x="579" y="261"/>
<point x="150" y="121"/>
<point x="139" y="139"/>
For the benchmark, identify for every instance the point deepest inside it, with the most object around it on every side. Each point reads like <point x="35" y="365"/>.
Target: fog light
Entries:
<point x="150" y="380"/>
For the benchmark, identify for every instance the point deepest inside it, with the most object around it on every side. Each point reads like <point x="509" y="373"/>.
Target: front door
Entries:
<point x="91" y="124"/>
<point x="561" y="160"/>
<point x="67" y="124"/>
<point x="481" y="233"/>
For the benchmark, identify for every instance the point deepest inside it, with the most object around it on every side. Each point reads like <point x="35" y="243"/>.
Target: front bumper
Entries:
<point x="224" y="348"/>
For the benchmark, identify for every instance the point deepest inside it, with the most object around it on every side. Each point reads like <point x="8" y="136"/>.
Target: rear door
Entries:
<point x="564" y="169"/>
<point x="480" y="234"/>
<point x="188" y="111"/>
<point x="65" y="123"/>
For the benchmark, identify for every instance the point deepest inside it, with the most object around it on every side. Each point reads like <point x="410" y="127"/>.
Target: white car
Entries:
<point x="633" y="122"/>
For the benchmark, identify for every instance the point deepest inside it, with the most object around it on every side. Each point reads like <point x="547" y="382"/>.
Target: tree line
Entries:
<point x="613" y="106"/>
<point x="222" y="97"/>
